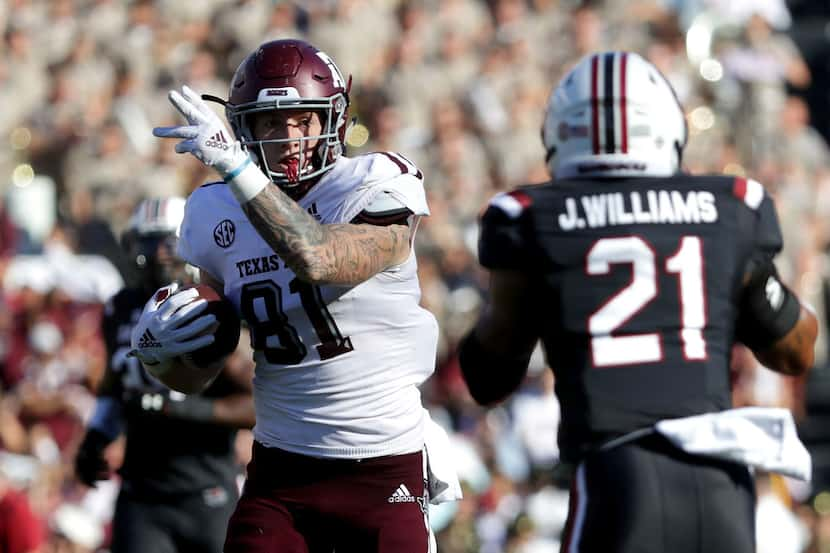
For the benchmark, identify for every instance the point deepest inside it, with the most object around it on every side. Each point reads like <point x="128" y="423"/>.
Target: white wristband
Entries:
<point x="246" y="181"/>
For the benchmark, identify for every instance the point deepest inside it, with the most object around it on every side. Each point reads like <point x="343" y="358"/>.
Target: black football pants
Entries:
<point x="648" y="497"/>
<point x="178" y="524"/>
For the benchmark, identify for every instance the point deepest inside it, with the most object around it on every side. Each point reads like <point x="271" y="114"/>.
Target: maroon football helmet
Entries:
<point x="291" y="74"/>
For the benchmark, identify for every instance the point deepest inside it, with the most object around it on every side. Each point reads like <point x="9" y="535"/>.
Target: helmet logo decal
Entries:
<point x="224" y="233"/>
<point x="566" y="131"/>
<point x="335" y="73"/>
<point x="268" y="94"/>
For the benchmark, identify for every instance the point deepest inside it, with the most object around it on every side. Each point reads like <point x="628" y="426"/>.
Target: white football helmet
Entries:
<point x="161" y="215"/>
<point x="151" y="239"/>
<point x="613" y="115"/>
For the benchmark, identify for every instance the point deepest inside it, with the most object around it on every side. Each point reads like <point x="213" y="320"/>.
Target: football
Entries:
<point x="226" y="330"/>
<point x="194" y="371"/>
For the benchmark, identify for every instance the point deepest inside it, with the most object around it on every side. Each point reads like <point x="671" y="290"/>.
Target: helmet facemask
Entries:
<point x="311" y="164"/>
<point x="290" y="74"/>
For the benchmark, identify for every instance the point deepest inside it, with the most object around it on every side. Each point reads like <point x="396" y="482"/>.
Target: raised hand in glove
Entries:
<point x="205" y="136"/>
<point x="90" y="465"/>
<point x="169" y="326"/>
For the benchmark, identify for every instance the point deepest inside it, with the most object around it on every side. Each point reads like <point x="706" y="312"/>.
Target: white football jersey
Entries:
<point x="337" y="367"/>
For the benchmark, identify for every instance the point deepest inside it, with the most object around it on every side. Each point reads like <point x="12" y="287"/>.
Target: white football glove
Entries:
<point x="206" y="136"/>
<point x="167" y="329"/>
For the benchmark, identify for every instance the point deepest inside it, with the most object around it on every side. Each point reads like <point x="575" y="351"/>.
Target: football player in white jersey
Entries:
<point x="315" y="250"/>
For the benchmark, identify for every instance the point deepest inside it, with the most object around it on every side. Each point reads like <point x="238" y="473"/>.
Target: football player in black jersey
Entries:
<point x="178" y="478"/>
<point x="637" y="279"/>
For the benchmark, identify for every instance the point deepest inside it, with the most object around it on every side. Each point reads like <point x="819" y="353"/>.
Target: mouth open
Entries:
<point x="291" y="168"/>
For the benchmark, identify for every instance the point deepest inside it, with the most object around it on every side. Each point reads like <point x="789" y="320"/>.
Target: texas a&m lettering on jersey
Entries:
<point x="258" y="265"/>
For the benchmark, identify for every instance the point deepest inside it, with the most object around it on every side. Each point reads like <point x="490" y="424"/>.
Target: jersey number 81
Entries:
<point x="291" y="350"/>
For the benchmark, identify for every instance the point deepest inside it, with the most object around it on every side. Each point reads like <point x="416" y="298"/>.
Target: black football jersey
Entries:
<point x="637" y="281"/>
<point x="164" y="455"/>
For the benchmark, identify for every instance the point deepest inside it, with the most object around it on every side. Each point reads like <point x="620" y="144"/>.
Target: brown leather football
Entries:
<point x="193" y="372"/>
<point x="226" y="330"/>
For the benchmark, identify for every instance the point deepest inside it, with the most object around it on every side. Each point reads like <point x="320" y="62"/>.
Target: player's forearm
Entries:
<point x="491" y="375"/>
<point x="793" y="354"/>
<point x="324" y="254"/>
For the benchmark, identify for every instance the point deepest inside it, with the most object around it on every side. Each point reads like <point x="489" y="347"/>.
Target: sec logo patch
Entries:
<point x="224" y="233"/>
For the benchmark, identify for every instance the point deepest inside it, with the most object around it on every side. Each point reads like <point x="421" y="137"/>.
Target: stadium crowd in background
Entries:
<point x="459" y="86"/>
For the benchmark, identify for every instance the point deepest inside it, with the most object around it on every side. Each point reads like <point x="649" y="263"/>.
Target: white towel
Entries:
<point x="761" y="437"/>
<point x="441" y="472"/>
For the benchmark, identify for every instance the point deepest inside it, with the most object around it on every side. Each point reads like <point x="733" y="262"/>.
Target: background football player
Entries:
<point x="178" y="477"/>
<point x="636" y="278"/>
<point x="314" y="249"/>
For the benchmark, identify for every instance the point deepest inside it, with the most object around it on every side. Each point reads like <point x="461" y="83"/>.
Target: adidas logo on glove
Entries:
<point x="218" y="140"/>
<point x="147" y="340"/>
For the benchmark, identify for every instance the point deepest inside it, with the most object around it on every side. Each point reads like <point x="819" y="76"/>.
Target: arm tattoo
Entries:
<point x="324" y="254"/>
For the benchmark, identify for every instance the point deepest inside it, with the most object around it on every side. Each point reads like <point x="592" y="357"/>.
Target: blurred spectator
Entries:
<point x="799" y="143"/>
<point x="456" y="83"/>
<point x="763" y="62"/>
<point x="53" y="391"/>
<point x="21" y="530"/>
<point x="73" y="530"/>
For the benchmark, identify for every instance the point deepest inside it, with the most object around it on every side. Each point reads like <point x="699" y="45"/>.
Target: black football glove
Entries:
<point x="90" y="465"/>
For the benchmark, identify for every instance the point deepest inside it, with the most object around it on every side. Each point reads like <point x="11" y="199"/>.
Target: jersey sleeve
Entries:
<point x="407" y="190"/>
<point x="385" y="209"/>
<point x="503" y="242"/>
<point x="768" y="237"/>
<point x="196" y="236"/>
<point x="761" y="224"/>
<point x="751" y="327"/>
<point x="399" y="179"/>
<point x="382" y="179"/>
<point x="187" y="234"/>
